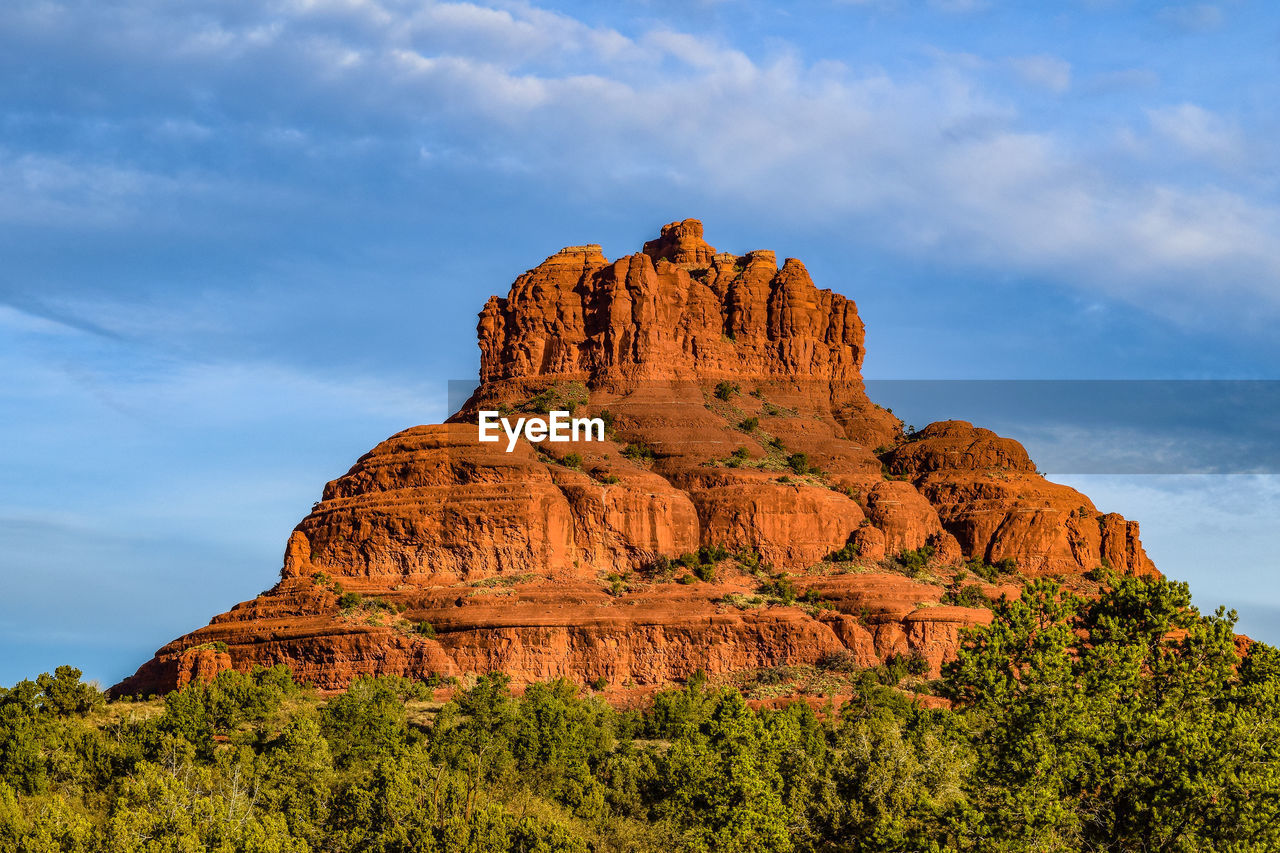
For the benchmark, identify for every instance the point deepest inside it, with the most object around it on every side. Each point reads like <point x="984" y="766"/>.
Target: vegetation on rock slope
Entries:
<point x="1126" y="723"/>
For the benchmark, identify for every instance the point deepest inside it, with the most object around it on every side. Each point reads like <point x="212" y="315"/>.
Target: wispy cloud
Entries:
<point x="1049" y="72"/>
<point x="1192" y="17"/>
<point x="933" y="160"/>
<point x="1198" y="131"/>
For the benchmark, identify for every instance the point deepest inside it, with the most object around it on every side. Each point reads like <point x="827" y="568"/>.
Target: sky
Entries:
<point x="242" y="241"/>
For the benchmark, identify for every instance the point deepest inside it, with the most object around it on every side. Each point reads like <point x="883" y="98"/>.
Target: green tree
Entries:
<point x="298" y="777"/>
<point x="367" y="721"/>
<point x="895" y="780"/>
<point x="1129" y="723"/>
<point x="725" y="794"/>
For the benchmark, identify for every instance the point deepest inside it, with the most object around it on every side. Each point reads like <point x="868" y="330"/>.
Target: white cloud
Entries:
<point x="1126" y="79"/>
<point x="960" y="6"/>
<point x="1185" y="522"/>
<point x="40" y="189"/>
<point x="1192" y="17"/>
<point x="1049" y="72"/>
<point x="931" y="159"/>
<point x="1197" y="131"/>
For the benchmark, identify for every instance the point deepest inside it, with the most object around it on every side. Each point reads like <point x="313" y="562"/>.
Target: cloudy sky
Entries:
<point x="245" y="240"/>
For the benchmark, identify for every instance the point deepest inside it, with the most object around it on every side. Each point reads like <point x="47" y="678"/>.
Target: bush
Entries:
<point x="799" y="464"/>
<point x="990" y="572"/>
<point x="350" y="600"/>
<point x="424" y="629"/>
<point x="781" y="588"/>
<point x="609" y="420"/>
<point x="559" y="397"/>
<point x="379" y="603"/>
<point x="609" y="479"/>
<point x="638" y="452"/>
<point x="660" y="565"/>
<point x="707" y="555"/>
<point x="725" y="390"/>
<point x="914" y="563"/>
<point x="841" y="661"/>
<point x="847" y="553"/>
<point x="1099" y="575"/>
<point x="771" y="675"/>
<point x="969" y="595"/>
<point x="749" y="424"/>
<point x="572" y="460"/>
<point x="741" y="454"/>
<point x="897" y="667"/>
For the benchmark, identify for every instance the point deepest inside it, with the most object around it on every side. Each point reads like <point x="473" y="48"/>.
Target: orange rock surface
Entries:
<point x="737" y="418"/>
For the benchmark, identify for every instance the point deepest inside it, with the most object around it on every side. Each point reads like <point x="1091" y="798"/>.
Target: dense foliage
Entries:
<point x="1126" y="723"/>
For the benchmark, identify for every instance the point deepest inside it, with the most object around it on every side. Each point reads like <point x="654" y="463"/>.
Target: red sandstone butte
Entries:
<point x="714" y="370"/>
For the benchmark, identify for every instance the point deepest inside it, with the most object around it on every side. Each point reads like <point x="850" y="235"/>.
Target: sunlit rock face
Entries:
<point x="737" y="418"/>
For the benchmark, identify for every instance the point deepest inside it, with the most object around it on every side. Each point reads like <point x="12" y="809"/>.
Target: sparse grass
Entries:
<point x="562" y="396"/>
<point x="774" y="459"/>
<point x="504" y="580"/>
<point x="841" y="661"/>
<point x="888" y="474"/>
<point x="991" y="572"/>
<point x="781" y="590"/>
<point x="742" y="601"/>
<point x="702" y="563"/>
<point x="912" y="563"/>
<point x="838" y="673"/>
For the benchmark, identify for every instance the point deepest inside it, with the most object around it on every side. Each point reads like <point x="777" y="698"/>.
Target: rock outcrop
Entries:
<point x="738" y="423"/>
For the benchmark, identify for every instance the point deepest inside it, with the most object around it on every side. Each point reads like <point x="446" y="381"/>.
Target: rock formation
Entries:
<point x="738" y="423"/>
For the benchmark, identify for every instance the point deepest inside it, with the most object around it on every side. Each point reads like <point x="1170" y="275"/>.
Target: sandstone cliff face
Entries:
<point x="988" y="494"/>
<point x="738" y="419"/>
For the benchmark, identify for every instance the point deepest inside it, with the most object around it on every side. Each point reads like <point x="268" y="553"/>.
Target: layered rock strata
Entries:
<point x="737" y="420"/>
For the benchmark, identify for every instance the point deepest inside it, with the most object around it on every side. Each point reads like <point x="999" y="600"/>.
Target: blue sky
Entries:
<point x="243" y="241"/>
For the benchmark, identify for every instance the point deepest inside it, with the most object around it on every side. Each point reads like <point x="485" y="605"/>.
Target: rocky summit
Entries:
<point x="749" y="507"/>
